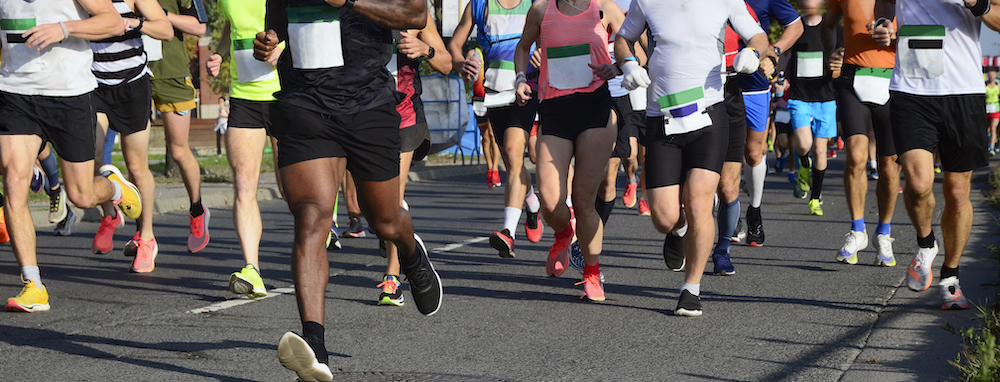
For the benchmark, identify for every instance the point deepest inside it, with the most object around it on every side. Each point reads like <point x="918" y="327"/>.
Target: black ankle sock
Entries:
<point x="817" y="186"/>
<point x="948" y="272"/>
<point x="804" y="161"/>
<point x="197" y="209"/>
<point x="604" y="209"/>
<point x="315" y="336"/>
<point x="926" y="242"/>
<point x="54" y="191"/>
<point x="753" y="212"/>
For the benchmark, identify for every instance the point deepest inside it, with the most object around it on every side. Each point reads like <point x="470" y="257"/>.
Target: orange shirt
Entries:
<point x="859" y="48"/>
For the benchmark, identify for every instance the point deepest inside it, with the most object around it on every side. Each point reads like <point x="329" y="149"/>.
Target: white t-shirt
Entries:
<point x="937" y="51"/>
<point x="688" y="52"/>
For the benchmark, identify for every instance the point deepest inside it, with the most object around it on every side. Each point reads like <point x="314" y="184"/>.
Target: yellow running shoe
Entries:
<point x="815" y="208"/>
<point x="131" y="203"/>
<point x="33" y="298"/>
<point x="247" y="282"/>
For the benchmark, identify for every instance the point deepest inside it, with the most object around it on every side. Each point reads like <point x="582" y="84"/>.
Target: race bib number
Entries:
<point x="249" y="69"/>
<point x="992" y="108"/>
<point x="809" y="64"/>
<point x="921" y="51"/>
<point x="22" y="59"/>
<point x="638" y="98"/>
<point x="500" y="76"/>
<point x="682" y="112"/>
<point x="153" y="48"/>
<point x="314" y="37"/>
<point x="782" y="116"/>
<point x="872" y="85"/>
<point x="568" y="66"/>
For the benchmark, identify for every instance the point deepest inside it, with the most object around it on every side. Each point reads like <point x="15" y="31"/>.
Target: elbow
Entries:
<point x="416" y="17"/>
<point x="200" y="30"/>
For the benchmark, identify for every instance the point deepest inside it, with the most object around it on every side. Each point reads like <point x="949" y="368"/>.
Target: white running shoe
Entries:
<point x="919" y="274"/>
<point x="856" y="241"/>
<point x="883" y="244"/>
<point x="951" y="294"/>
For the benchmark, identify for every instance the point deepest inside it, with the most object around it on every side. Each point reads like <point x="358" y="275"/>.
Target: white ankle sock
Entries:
<point x="532" y="200"/>
<point x="510" y="217"/>
<point x="695" y="289"/>
<point x="33" y="274"/>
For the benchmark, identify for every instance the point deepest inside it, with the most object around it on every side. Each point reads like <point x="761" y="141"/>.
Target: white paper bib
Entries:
<point x="921" y="51"/>
<point x="683" y="112"/>
<point x="314" y="37"/>
<point x="568" y="66"/>
<point x="499" y="76"/>
<point x="249" y="69"/>
<point x="872" y="85"/>
<point x="809" y="64"/>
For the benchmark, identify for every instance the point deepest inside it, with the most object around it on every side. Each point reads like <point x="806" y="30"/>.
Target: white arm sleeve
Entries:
<point x="741" y="20"/>
<point x="634" y="24"/>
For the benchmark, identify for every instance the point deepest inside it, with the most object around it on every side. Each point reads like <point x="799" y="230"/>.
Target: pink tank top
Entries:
<point x="561" y="39"/>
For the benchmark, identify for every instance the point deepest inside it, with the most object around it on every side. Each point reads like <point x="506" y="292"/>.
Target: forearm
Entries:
<point x="441" y="62"/>
<point x="186" y="24"/>
<point x="158" y="29"/>
<point x="97" y="27"/>
<point x="395" y="14"/>
<point x="623" y="49"/>
<point x="759" y="42"/>
<point x="992" y="18"/>
<point x="789" y="36"/>
<point x="521" y="56"/>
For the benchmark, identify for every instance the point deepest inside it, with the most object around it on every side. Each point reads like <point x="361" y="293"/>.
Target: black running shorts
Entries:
<point x="568" y="116"/>
<point x="668" y="159"/>
<point x="247" y="114"/>
<point x="505" y="117"/>
<point x="954" y="124"/>
<point x="127" y="105"/>
<point x="856" y="116"/>
<point x="67" y="122"/>
<point x="416" y="138"/>
<point x="737" y="112"/>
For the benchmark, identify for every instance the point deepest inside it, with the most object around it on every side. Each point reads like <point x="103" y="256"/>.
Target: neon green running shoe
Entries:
<point x="815" y="208"/>
<point x="804" y="177"/>
<point x="247" y="282"/>
<point x="391" y="294"/>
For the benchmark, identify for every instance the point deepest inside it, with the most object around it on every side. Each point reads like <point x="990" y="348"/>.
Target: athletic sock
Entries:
<point x="591" y="269"/>
<point x="32" y="273"/>
<point x="873" y="164"/>
<point x="948" y="272"/>
<point x="729" y="216"/>
<point x="695" y="289"/>
<point x="858" y="225"/>
<point x="566" y="233"/>
<point x="926" y="242"/>
<point x="315" y="336"/>
<point x="197" y="209"/>
<point x="532" y="200"/>
<point x="817" y="180"/>
<point x="604" y="209"/>
<point x="510" y="217"/>
<point x="757" y="175"/>
<point x="51" y="170"/>
<point x="804" y="161"/>
<point x="117" y="197"/>
<point x="883" y="228"/>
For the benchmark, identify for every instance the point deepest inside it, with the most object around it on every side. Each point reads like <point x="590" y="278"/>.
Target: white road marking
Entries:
<point x="291" y="289"/>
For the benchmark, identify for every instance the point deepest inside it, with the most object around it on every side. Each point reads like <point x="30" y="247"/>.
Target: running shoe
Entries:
<point x="688" y="305"/>
<point x="247" y="282"/>
<point x="57" y="205"/>
<point x="130" y="203"/>
<point x="815" y="207"/>
<point x="629" y="197"/>
<point x="644" y="207"/>
<point x="793" y="177"/>
<point x="489" y="179"/>
<point x="33" y="298"/>
<point x="593" y="288"/>
<point x="354" y="227"/>
<point x="855" y="241"/>
<point x="803" y="179"/>
<point x="723" y="264"/>
<point x="297" y="355"/>
<point x="145" y="256"/>
<point x="832" y="154"/>
<point x="739" y="233"/>
<point x="496" y="179"/>
<point x="4" y="235"/>
<point x="919" y="274"/>
<point x="840" y="143"/>
<point x="104" y="239"/>
<point x="501" y="241"/>
<point x="673" y="252"/>
<point x="883" y="244"/>
<point x="533" y="227"/>
<point x="576" y="258"/>
<point x="873" y="174"/>
<point x="131" y="246"/>
<point x="755" y="228"/>
<point x="391" y="294"/>
<point x="558" y="258"/>
<point x="37" y="180"/>
<point x="937" y="169"/>
<point x="425" y="283"/>
<point x="951" y="294"/>
<point x="198" y="238"/>
<point x="333" y="240"/>
<point x="65" y="227"/>
<point x="779" y="165"/>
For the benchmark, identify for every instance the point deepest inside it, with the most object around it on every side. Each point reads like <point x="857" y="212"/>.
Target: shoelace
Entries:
<point x="107" y="223"/>
<point x="594" y="279"/>
<point x="388" y="286"/>
<point x="198" y="225"/>
<point x="54" y="203"/>
<point x="852" y="241"/>
<point x="558" y="247"/>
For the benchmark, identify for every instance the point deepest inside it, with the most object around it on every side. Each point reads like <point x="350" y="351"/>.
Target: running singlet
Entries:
<point x="120" y="59"/>
<point x="335" y="59"/>
<point x="174" y="63"/>
<point x="992" y="99"/>
<point x="785" y="14"/>
<point x="926" y="29"/>
<point x="253" y="80"/>
<point x="406" y="73"/>
<point x="808" y="66"/>
<point x="499" y="32"/>
<point x="59" y="70"/>
<point x="567" y="49"/>
<point x="859" y="48"/>
<point x="685" y="66"/>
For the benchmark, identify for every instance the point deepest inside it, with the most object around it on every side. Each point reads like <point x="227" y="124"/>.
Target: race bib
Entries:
<point x="921" y="51"/>
<point x="500" y="76"/>
<point x="314" y="37"/>
<point x="153" y="48"/>
<point x="992" y="108"/>
<point x="637" y="98"/>
<point x="872" y="85"/>
<point x="249" y="69"/>
<point x="782" y="116"/>
<point x="809" y="64"/>
<point x="682" y="112"/>
<point x="568" y="66"/>
<point x="499" y="99"/>
<point x="22" y="59"/>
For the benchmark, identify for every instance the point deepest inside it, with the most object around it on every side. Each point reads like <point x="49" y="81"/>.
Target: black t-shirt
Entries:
<point x="808" y="50"/>
<point x="362" y="83"/>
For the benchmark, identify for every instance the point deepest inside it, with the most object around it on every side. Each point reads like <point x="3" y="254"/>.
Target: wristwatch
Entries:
<point x="777" y="50"/>
<point x="430" y="53"/>
<point x="349" y="4"/>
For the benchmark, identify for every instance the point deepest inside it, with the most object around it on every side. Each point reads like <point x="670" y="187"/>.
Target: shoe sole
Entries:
<point x="243" y="287"/>
<point x="910" y="273"/>
<point x="755" y="244"/>
<point x="33" y="308"/>
<point x="296" y="355"/>
<point x="69" y="227"/>
<point x="130" y="249"/>
<point x="388" y="301"/>
<point x="724" y="273"/>
<point x="883" y="263"/>
<point x="687" y="313"/>
<point x="584" y="297"/>
<point x="498" y="243"/>
<point x="436" y="276"/>
<point x="123" y="182"/>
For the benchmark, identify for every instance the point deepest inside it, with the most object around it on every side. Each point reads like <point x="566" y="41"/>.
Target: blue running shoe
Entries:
<point x="723" y="265"/>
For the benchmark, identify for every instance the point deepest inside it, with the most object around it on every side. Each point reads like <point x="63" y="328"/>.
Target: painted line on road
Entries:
<point x="291" y="289"/>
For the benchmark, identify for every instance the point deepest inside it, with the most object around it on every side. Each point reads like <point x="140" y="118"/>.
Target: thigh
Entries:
<point x="244" y="148"/>
<point x="554" y="155"/>
<point x="313" y="181"/>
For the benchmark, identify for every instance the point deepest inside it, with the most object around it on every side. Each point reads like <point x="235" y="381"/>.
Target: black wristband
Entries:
<point x="774" y="61"/>
<point x="981" y="7"/>
<point x="141" y="21"/>
<point x="349" y="4"/>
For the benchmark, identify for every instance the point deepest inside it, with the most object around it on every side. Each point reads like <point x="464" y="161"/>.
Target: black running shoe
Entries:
<point x="354" y="228"/>
<point x="501" y="241"/>
<point x="673" y="252"/>
<point x="755" y="228"/>
<point x="425" y="284"/>
<point x="688" y="305"/>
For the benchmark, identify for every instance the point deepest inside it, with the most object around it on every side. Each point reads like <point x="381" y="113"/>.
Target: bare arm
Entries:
<point x="759" y="41"/>
<point x="394" y="14"/>
<point x="441" y="62"/>
<point x="104" y="22"/>
<point x="187" y="24"/>
<point x="522" y="54"/>
<point x="156" y="25"/>
<point x="828" y="34"/>
<point x="623" y="49"/>
<point x="788" y="37"/>
<point x="458" y="39"/>
<point x="992" y="18"/>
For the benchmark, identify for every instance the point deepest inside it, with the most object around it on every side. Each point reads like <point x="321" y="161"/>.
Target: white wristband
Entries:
<point x="65" y="33"/>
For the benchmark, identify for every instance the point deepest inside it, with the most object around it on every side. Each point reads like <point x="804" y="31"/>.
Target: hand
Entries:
<point x="604" y="71"/>
<point x="635" y="76"/>
<point x="748" y="61"/>
<point x="264" y="45"/>
<point x="523" y="93"/>
<point x="41" y="36"/>
<point x="130" y="23"/>
<point x="214" y="64"/>
<point x="766" y="66"/>
<point x="882" y="33"/>
<point x="837" y="60"/>
<point x="275" y="54"/>
<point x="536" y="58"/>
<point x="412" y="47"/>
<point x="470" y="67"/>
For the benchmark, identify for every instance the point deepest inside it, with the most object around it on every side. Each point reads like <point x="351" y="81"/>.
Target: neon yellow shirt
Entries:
<point x="246" y="19"/>
<point x="993" y="94"/>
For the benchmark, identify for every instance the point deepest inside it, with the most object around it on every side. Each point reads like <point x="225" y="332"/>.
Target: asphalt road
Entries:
<point x="790" y="313"/>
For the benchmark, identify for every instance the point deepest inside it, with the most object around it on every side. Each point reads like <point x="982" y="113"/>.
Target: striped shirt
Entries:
<point x="120" y="59"/>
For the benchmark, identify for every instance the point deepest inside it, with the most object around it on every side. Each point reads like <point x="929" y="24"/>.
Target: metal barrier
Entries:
<point x="454" y="83"/>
